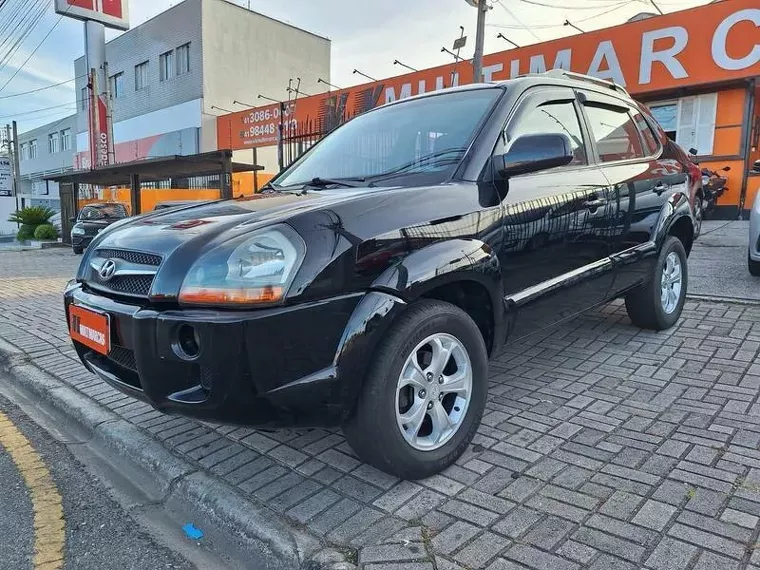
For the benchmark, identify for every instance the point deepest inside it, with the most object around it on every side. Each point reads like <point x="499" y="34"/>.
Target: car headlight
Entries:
<point x="77" y="231"/>
<point x="254" y="269"/>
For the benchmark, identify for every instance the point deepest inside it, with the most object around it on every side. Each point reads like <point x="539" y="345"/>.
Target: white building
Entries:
<point x="173" y="75"/>
<point x="45" y="151"/>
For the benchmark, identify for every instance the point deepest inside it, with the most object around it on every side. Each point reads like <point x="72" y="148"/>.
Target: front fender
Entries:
<point x="444" y="263"/>
<point x="441" y="263"/>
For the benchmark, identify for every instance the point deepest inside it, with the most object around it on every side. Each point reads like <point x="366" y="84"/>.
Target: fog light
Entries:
<point x="188" y="342"/>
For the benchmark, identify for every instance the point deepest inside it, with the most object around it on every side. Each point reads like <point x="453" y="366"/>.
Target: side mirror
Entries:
<point x="533" y="153"/>
<point x="693" y="151"/>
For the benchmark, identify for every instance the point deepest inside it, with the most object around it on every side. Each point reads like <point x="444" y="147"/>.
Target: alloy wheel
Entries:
<point x="433" y="392"/>
<point x="670" y="283"/>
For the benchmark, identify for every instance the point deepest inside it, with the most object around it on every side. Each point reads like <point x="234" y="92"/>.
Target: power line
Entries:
<point x="50" y="31"/>
<point x="69" y="104"/>
<point x="42" y="88"/>
<point x="21" y="28"/>
<point x="508" y="11"/>
<point x="560" y="7"/>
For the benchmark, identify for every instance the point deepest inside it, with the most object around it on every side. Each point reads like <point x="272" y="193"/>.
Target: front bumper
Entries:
<point x="81" y="241"/>
<point x="298" y="366"/>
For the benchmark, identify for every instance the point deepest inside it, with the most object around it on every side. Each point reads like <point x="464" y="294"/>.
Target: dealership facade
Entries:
<point x="696" y="69"/>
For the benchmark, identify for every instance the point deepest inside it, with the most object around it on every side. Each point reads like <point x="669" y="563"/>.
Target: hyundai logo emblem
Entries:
<point x="107" y="270"/>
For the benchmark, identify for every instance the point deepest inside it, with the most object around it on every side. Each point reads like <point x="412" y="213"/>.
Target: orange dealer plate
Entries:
<point x="90" y="328"/>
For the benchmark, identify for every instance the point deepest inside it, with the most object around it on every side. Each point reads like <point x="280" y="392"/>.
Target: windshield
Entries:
<point x="428" y="135"/>
<point x="102" y="212"/>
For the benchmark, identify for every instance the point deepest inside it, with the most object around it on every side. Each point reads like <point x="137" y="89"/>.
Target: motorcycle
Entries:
<point x="713" y="185"/>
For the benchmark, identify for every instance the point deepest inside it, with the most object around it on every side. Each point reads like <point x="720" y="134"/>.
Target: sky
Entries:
<point x="366" y="34"/>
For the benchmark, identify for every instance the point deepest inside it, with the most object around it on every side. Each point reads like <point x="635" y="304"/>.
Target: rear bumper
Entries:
<point x="287" y="366"/>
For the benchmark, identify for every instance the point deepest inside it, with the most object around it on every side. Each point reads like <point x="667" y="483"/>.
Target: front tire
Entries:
<point x="424" y="394"/>
<point x="657" y="304"/>
<point x="753" y="266"/>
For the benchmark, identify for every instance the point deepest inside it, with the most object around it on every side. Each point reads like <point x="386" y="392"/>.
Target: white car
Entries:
<point x="753" y="256"/>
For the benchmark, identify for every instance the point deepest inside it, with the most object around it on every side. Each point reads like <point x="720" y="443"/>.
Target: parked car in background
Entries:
<point x="390" y="262"/>
<point x="177" y="204"/>
<point x="753" y="254"/>
<point x="91" y="220"/>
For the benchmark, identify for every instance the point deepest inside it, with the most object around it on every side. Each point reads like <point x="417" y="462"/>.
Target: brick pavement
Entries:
<point x="602" y="447"/>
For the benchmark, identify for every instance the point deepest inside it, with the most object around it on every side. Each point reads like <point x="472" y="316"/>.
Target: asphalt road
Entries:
<point x="98" y="533"/>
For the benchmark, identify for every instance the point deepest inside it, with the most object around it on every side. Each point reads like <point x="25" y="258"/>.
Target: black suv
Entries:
<point x="390" y="261"/>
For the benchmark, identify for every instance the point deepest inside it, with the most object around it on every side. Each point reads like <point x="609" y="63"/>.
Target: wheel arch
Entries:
<point x="463" y="272"/>
<point x="675" y="219"/>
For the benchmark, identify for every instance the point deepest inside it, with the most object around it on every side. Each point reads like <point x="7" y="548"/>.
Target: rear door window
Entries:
<point x="616" y="135"/>
<point x="647" y="135"/>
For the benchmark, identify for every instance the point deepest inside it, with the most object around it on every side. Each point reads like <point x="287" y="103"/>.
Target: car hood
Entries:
<point x="162" y="232"/>
<point x="181" y="236"/>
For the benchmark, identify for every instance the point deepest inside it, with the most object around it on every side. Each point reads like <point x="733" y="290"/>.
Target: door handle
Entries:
<point x="594" y="203"/>
<point x="660" y="187"/>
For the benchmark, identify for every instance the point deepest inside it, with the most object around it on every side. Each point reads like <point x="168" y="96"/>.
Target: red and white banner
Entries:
<point x="111" y="13"/>
<point x="98" y="130"/>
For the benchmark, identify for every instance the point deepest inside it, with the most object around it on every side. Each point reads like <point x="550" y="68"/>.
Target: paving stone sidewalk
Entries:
<point x="602" y="447"/>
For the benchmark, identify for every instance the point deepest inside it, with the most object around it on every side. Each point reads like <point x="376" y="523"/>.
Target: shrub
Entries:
<point x="45" y="232"/>
<point x="32" y="215"/>
<point x="25" y="232"/>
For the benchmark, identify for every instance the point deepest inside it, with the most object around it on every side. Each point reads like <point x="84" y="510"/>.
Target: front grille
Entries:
<point x="128" y="284"/>
<point x="131" y="256"/>
<point x="123" y="357"/>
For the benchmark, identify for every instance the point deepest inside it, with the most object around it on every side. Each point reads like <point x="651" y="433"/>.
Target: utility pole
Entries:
<point x="477" y="61"/>
<point x="16" y="164"/>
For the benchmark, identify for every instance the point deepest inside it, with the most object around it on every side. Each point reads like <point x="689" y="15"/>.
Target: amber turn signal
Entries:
<point x="218" y="296"/>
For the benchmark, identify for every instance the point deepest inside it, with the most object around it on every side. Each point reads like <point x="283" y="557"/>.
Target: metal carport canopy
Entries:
<point x="157" y="169"/>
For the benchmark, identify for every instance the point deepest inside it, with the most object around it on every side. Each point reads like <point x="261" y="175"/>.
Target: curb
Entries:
<point x="179" y="480"/>
<point x="721" y="299"/>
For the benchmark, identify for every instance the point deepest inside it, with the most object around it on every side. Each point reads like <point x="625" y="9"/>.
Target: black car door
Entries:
<point x="634" y="158"/>
<point x="554" y="260"/>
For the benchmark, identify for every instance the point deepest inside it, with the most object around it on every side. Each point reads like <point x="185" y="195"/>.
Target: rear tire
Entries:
<point x="396" y="425"/>
<point x="78" y="251"/>
<point x="754" y="266"/>
<point x="650" y="306"/>
<point x="698" y="216"/>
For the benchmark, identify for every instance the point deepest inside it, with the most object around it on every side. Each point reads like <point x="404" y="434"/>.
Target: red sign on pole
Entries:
<point x="111" y="13"/>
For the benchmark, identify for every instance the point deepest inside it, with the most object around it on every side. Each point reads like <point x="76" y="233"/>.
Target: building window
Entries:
<point x="116" y="84"/>
<point x="84" y="101"/>
<point x="183" y="59"/>
<point x="53" y="143"/>
<point x="166" y="65"/>
<point x="24" y="151"/>
<point x="141" y="76"/>
<point x="66" y="139"/>
<point x="689" y="121"/>
<point x="33" y="148"/>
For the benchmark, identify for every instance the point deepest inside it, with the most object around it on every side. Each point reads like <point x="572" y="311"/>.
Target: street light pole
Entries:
<point x="477" y="61"/>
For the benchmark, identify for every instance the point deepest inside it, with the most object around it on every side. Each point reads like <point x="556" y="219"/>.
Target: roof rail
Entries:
<point x="581" y="77"/>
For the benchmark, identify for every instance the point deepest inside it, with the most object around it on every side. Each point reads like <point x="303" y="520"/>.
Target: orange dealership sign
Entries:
<point x="681" y="49"/>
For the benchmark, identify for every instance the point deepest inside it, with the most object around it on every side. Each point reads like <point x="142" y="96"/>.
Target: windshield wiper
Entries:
<point x="347" y="182"/>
